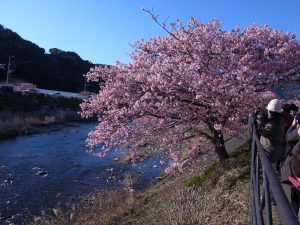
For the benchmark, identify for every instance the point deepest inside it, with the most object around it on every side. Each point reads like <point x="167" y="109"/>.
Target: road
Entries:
<point x="60" y="93"/>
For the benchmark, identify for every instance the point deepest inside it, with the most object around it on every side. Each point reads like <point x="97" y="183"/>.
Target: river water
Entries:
<point x="42" y="171"/>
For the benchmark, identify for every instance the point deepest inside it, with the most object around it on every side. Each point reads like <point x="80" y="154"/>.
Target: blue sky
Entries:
<point x="100" y="30"/>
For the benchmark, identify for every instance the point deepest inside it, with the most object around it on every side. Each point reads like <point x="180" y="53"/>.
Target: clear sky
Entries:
<point x="100" y="30"/>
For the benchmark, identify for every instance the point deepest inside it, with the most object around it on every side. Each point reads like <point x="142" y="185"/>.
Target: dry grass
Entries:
<point x="14" y="123"/>
<point x="220" y="198"/>
<point x="99" y="208"/>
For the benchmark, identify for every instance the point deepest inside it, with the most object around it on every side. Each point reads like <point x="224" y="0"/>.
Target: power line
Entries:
<point x="79" y="41"/>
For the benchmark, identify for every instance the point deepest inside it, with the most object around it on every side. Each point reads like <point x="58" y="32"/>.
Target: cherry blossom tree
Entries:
<point x="186" y="90"/>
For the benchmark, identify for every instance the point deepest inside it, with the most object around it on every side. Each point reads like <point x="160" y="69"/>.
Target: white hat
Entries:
<point x="274" y="106"/>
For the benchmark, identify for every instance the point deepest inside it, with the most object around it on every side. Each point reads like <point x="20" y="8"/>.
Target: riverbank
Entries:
<point x="215" y="194"/>
<point x="13" y="124"/>
<point x="20" y="112"/>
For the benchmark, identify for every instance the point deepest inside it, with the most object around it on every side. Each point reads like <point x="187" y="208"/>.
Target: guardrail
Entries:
<point x="261" y="187"/>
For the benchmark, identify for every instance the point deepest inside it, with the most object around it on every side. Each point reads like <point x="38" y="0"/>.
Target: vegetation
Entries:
<point x="221" y="198"/>
<point x="182" y="91"/>
<point x="196" y="82"/>
<point x="29" y="102"/>
<point x="58" y="70"/>
<point x="19" y="112"/>
<point x="14" y="123"/>
<point x="208" y="173"/>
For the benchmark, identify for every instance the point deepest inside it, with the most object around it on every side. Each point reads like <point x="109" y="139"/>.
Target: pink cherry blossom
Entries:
<point x="185" y="90"/>
<point x="218" y="127"/>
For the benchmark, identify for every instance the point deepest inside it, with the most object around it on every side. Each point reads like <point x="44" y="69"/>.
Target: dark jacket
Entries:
<point x="288" y="120"/>
<point x="292" y="138"/>
<point x="286" y="169"/>
<point x="272" y="135"/>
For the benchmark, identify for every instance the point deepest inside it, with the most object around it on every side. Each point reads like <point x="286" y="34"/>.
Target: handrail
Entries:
<point x="259" y="161"/>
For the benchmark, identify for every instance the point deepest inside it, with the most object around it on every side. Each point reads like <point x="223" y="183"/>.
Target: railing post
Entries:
<point x="252" y="183"/>
<point x="257" y="174"/>
<point x="256" y="187"/>
<point x="267" y="199"/>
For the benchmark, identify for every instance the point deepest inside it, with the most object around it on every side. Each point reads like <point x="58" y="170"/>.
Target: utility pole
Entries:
<point x="2" y="67"/>
<point x="9" y="67"/>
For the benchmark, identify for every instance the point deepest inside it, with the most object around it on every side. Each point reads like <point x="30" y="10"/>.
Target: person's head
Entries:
<point x="295" y="166"/>
<point x="294" y="109"/>
<point x="286" y="108"/>
<point x="274" y="106"/>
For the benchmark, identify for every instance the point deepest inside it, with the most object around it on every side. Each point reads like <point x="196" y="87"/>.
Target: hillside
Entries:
<point x="58" y="70"/>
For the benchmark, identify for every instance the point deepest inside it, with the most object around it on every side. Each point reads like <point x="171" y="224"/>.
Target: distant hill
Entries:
<point x="57" y="70"/>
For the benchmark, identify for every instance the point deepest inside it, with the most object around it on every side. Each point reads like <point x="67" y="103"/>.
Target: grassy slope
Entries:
<point x="215" y="195"/>
<point x="218" y="196"/>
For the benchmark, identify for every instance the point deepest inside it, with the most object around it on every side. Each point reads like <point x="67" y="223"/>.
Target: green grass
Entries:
<point x="208" y="173"/>
<point x="240" y="160"/>
<point x="138" y="213"/>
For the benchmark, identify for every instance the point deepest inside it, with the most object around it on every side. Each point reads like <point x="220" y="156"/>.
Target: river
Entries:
<point x="42" y="171"/>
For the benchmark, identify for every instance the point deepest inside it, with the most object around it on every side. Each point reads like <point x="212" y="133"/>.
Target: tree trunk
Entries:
<point x="219" y="144"/>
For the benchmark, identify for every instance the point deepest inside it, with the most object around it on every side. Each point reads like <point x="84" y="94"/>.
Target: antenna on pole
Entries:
<point x="10" y="65"/>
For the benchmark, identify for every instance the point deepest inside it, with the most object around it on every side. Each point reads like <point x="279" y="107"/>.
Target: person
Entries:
<point x="288" y="121"/>
<point x="294" y="134"/>
<point x="271" y="130"/>
<point x="294" y="109"/>
<point x="294" y="182"/>
<point x="288" y="118"/>
<point x="291" y="137"/>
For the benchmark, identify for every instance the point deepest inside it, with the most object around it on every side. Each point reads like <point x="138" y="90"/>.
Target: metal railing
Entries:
<point x="262" y="186"/>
